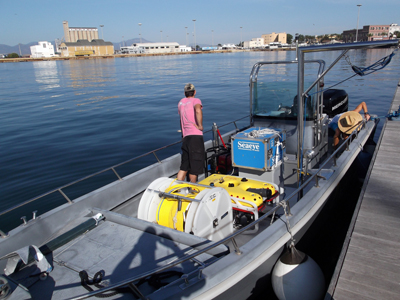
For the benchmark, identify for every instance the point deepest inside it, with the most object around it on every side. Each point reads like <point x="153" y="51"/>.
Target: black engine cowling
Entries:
<point x="335" y="102"/>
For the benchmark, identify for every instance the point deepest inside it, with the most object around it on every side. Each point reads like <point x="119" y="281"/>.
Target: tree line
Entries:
<point x="11" y="55"/>
<point x="325" y="38"/>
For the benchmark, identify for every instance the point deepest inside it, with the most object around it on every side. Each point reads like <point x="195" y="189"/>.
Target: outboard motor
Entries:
<point x="335" y="102"/>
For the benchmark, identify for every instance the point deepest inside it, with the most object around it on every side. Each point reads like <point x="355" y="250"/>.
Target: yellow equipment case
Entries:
<point x="252" y="190"/>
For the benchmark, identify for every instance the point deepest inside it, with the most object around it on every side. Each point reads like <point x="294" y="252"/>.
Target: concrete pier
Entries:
<point x="28" y="59"/>
<point x="369" y="264"/>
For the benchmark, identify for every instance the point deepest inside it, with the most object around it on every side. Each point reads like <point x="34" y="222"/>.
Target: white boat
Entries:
<point x="149" y="236"/>
<point x="275" y="45"/>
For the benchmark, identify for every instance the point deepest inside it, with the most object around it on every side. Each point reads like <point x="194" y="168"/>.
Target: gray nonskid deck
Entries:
<point x="369" y="269"/>
<point x="121" y="252"/>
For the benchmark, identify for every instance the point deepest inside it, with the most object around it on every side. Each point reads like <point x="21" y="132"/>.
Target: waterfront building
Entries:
<point x="43" y="49"/>
<point x="367" y="33"/>
<point x="86" y="48"/>
<point x="150" y="48"/>
<point x="184" y="48"/>
<point x="254" y="43"/>
<point x="228" y="46"/>
<point x="73" y="34"/>
<point x="274" y="38"/>
<point x="209" y="48"/>
<point x="131" y="50"/>
<point x="393" y="28"/>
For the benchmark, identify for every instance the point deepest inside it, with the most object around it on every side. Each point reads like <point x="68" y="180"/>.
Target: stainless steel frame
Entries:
<point x="300" y="78"/>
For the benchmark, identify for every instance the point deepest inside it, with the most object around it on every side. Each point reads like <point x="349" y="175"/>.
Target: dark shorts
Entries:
<point x="193" y="154"/>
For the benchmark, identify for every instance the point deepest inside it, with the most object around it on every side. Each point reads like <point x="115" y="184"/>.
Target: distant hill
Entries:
<point x="129" y="42"/>
<point x="25" y="49"/>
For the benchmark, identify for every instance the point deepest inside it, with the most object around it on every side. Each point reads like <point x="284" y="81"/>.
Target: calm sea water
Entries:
<point x="63" y="120"/>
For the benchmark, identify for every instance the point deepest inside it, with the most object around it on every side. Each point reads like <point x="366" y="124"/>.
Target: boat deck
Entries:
<point x="120" y="247"/>
<point x="369" y="264"/>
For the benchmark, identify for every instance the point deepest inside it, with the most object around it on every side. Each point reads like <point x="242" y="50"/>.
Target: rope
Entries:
<point x="394" y="114"/>
<point x="98" y="277"/>
<point x="261" y="132"/>
<point x="222" y="140"/>
<point x="284" y="205"/>
<point x="379" y="65"/>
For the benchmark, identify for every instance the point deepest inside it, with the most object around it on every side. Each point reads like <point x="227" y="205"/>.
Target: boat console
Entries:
<point x="275" y="105"/>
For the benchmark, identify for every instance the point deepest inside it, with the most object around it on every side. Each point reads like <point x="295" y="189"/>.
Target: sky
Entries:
<point x="217" y="21"/>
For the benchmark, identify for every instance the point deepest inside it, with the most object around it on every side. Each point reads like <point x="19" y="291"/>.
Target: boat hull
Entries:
<point x="241" y="276"/>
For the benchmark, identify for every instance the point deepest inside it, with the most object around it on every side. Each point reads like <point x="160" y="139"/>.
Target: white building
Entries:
<point x="184" y="48"/>
<point x="150" y="48"/>
<point x="393" y="28"/>
<point x="131" y="50"/>
<point x="44" y="49"/>
<point x="254" y="43"/>
<point x="228" y="46"/>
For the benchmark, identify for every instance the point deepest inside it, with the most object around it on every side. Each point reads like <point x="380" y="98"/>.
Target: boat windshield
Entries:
<point x="274" y="94"/>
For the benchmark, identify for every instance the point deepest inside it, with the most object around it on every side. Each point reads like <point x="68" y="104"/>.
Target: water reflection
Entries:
<point x="90" y="73"/>
<point x="46" y="75"/>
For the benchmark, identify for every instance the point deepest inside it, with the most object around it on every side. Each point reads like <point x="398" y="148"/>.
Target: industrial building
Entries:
<point x="150" y="48"/>
<point x="73" y="34"/>
<point x="83" y="41"/>
<point x="86" y="48"/>
<point x="43" y="49"/>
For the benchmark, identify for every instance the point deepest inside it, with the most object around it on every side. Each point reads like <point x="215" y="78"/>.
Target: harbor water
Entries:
<point x="63" y="120"/>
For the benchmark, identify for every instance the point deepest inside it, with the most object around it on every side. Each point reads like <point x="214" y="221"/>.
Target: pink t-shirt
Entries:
<point x="188" y="116"/>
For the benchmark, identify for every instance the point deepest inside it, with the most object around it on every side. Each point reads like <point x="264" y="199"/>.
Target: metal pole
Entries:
<point x="194" y="33"/>
<point x="161" y="35"/>
<point x="140" y="32"/>
<point x="212" y="38"/>
<point x="300" y="114"/>
<point x="358" y="15"/>
<point x="186" y="36"/>
<point x="102" y="36"/>
<point x="240" y="36"/>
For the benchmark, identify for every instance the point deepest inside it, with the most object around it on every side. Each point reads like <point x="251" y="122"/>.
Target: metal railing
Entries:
<point x="112" y="168"/>
<point x="231" y="238"/>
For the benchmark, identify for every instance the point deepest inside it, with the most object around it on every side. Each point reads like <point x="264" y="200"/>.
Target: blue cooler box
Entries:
<point x="260" y="151"/>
